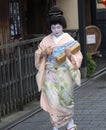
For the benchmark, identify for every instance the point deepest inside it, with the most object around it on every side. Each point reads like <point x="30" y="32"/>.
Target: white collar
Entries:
<point x="57" y="39"/>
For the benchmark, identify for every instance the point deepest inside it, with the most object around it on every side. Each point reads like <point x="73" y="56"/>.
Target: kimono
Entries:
<point x="57" y="81"/>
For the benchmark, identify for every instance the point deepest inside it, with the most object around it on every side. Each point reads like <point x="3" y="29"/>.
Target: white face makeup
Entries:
<point x="57" y="30"/>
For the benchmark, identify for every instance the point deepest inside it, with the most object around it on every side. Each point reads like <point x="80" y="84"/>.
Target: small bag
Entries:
<point x="73" y="49"/>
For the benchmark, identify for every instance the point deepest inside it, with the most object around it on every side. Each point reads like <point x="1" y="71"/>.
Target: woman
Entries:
<point x="55" y="80"/>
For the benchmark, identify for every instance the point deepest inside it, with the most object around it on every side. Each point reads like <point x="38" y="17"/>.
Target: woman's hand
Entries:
<point x="47" y="51"/>
<point x="70" y="56"/>
<point x="68" y="53"/>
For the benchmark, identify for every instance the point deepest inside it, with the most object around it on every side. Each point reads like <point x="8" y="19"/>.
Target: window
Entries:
<point x="14" y="14"/>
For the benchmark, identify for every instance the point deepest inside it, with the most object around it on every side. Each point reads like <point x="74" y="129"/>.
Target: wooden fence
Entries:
<point x="17" y="74"/>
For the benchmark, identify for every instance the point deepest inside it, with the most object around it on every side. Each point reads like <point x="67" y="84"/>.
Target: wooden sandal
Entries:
<point x="75" y="127"/>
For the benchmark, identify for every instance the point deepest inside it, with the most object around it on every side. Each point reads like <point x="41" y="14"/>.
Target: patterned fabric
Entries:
<point x="56" y="82"/>
<point x="60" y="49"/>
<point x="58" y="88"/>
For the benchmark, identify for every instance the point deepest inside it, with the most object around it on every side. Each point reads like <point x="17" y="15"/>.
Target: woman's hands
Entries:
<point x="47" y="51"/>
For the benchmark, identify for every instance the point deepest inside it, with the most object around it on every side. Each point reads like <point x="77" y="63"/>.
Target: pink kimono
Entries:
<point x="56" y="82"/>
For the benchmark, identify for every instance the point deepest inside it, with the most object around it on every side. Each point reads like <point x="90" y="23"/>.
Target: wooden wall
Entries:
<point x="88" y="12"/>
<point x="33" y="18"/>
<point x="4" y="22"/>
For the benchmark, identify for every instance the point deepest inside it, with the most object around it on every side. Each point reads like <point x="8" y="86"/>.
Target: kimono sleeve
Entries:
<point x="76" y="59"/>
<point x="37" y="54"/>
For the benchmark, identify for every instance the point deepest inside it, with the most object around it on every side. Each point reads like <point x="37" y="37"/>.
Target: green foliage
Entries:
<point x="91" y="65"/>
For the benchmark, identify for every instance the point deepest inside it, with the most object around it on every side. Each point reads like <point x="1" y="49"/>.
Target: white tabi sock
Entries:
<point x="54" y="128"/>
<point x="70" y="124"/>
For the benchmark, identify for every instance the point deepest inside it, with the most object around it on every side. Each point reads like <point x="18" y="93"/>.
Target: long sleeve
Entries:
<point x="40" y="65"/>
<point x="76" y="59"/>
<point x="37" y="55"/>
<point x="74" y="64"/>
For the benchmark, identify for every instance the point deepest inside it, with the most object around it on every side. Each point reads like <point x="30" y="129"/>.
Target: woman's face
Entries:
<point x="57" y="30"/>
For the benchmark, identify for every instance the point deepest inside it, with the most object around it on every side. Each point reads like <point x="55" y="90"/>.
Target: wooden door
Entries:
<point x="101" y="23"/>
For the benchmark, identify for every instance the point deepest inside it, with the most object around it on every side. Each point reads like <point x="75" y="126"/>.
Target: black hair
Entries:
<point x="55" y="16"/>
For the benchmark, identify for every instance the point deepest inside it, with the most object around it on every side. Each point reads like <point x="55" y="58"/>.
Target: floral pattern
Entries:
<point x="59" y="87"/>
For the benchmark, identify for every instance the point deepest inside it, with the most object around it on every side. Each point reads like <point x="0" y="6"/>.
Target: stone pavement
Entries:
<point x="90" y="108"/>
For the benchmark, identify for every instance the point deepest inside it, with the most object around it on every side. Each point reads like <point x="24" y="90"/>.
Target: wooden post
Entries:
<point x="20" y="79"/>
<point x="82" y="35"/>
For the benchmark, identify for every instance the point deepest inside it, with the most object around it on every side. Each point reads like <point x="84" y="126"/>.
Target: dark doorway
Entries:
<point x="36" y="15"/>
<point x="101" y="23"/>
<point x="90" y="12"/>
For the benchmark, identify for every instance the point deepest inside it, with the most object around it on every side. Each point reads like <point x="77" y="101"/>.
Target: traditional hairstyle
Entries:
<point x="55" y="16"/>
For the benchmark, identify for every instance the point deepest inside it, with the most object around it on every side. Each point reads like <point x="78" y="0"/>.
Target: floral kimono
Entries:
<point x="56" y="81"/>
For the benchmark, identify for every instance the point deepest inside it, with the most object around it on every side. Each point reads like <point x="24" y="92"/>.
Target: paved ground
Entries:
<point x="90" y="109"/>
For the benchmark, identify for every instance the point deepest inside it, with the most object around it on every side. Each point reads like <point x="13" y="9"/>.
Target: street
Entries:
<point x="90" y="109"/>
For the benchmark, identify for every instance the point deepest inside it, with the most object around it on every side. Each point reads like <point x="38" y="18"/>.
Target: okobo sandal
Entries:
<point x="74" y="127"/>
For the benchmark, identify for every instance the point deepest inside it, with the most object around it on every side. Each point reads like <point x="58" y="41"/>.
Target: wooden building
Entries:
<point x="20" y="18"/>
<point x="23" y="23"/>
<point x="23" y="19"/>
